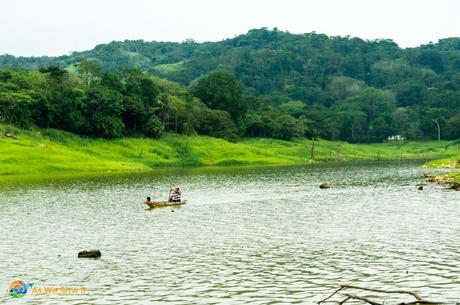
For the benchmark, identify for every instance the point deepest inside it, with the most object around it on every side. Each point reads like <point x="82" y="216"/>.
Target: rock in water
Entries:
<point x="89" y="254"/>
<point x="325" y="186"/>
<point x="420" y="188"/>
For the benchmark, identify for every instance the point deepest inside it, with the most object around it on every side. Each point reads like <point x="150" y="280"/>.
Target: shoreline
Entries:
<point x="38" y="153"/>
<point x="451" y="179"/>
<point x="31" y="178"/>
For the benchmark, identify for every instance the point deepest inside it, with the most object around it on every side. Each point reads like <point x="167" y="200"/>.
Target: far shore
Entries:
<point x="41" y="153"/>
<point x="72" y="176"/>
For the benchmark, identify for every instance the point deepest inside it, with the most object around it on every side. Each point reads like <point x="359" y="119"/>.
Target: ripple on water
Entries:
<point x="248" y="236"/>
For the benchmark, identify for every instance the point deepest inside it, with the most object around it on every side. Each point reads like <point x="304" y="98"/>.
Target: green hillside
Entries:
<point x="51" y="152"/>
<point x="451" y="162"/>
<point x="337" y="88"/>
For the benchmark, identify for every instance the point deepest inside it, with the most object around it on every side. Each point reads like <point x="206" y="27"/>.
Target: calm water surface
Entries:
<point x="247" y="236"/>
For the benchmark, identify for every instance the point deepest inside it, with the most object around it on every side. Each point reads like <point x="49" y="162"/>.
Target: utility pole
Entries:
<point x="312" y="150"/>
<point x="439" y="130"/>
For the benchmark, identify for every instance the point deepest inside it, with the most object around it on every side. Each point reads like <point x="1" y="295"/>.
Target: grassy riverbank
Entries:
<point x="44" y="152"/>
<point x="452" y="162"/>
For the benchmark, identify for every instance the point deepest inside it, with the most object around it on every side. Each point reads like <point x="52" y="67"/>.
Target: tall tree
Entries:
<point x="221" y="90"/>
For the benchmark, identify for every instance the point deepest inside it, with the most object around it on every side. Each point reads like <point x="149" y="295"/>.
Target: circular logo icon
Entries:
<point x="18" y="288"/>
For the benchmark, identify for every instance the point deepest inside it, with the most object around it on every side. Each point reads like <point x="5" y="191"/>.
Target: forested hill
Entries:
<point x="269" y="60"/>
<point x="337" y="87"/>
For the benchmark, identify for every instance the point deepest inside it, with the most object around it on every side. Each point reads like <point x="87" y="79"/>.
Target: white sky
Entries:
<point x="56" y="27"/>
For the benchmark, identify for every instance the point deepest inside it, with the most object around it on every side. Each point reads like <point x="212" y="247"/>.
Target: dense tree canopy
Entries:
<point x="221" y="90"/>
<point x="106" y="104"/>
<point x="266" y="83"/>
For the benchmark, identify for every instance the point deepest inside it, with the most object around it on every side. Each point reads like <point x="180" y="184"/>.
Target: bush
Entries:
<point x="154" y="127"/>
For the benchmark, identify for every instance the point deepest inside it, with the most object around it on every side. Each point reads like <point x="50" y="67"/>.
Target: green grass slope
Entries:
<point x="451" y="162"/>
<point x="48" y="151"/>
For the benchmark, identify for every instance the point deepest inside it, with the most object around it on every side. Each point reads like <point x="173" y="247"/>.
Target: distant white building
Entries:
<point x="396" y="138"/>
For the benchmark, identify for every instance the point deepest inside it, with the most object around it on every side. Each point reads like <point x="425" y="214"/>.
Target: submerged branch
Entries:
<point x="330" y="296"/>
<point x="419" y="300"/>
<point x="356" y="297"/>
<point x="414" y="294"/>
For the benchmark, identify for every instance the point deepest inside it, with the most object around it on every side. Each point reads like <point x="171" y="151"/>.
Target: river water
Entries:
<point x="247" y="236"/>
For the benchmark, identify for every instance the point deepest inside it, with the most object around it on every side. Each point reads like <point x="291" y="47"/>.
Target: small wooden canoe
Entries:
<point x="161" y="204"/>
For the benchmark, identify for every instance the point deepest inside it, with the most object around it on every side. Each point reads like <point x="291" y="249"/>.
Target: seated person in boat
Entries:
<point x="176" y="195"/>
<point x="148" y="201"/>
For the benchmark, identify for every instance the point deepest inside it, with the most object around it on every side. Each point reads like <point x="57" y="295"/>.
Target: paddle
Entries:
<point x="169" y="196"/>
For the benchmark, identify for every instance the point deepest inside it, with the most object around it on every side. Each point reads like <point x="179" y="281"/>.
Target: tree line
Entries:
<point x="266" y="83"/>
<point x="126" y="102"/>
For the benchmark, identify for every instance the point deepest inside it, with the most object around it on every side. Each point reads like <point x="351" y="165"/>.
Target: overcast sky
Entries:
<point x="55" y="27"/>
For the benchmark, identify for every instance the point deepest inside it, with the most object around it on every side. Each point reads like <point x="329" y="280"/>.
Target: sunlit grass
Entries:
<point x="451" y="162"/>
<point x="43" y="152"/>
<point x="170" y="68"/>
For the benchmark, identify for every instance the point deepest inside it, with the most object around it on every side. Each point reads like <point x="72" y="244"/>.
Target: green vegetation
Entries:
<point x="454" y="177"/>
<point x="87" y="101"/>
<point x="252" y="99"/>
<point x="169" y="68"/>
<point x="49" y="151"/>
<point x="295" y="85"/>
<point x="451" y="162"/>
